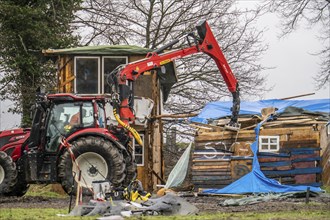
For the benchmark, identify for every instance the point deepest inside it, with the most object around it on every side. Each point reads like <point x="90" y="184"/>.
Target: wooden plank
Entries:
<point x="273" y="159"/>
<point x="305" y="178"/>
<point x="240" y="168"/>
<point x="210" y="160"/>
<point x="210" y="178"/>
<point x="211" y="153"/>
<point x="294" y="171"/>
<point x="210" y="167"/>
<point x="268" y="154"/>
<point x="212" y="182"/>
<point x="209" y="173"/>
<point x="300" y="149"/>
<point x="210" y="163"/>
<point x="209" y="136"/>
<point x="315" y="184"/>
<point x="275" y="164"/>
<point x="306" y="159"/>
<point x="302" y="152"/>
<point x="211" y="186"/>
<point x="276" y="168"/>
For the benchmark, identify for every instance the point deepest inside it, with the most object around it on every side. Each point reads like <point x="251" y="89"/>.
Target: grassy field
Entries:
<point x="47" y="214"/>
<point x="52" y="213"/>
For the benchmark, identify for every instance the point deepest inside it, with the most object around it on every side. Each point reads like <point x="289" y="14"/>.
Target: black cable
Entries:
<point x="71" y="193"/>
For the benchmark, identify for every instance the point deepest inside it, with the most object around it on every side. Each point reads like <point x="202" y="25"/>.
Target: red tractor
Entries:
<point x="70" y="134"/>
<point x="38" y="155"/>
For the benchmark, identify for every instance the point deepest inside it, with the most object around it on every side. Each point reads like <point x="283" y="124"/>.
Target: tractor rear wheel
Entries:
<point x="131" y="170"/>
<point x="8" y="173"/>
<point x="97" y="158"/>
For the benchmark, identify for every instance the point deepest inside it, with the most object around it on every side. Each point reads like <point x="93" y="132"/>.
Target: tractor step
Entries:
<point x="40" y="168"/>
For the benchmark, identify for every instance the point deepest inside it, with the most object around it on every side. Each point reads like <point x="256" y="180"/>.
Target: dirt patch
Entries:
<point x="203" y="203"/>
<point x="211" y="204"/>
<point x="33" y="202"/>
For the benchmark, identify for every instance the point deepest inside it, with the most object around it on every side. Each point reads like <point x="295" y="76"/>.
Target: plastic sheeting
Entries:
<point x="179" y="171"/>
<point x="256" y="181"/>
<point x="216" y="110"/>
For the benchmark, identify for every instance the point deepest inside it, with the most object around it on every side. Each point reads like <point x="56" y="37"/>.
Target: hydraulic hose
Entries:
<point x="127" y="127"/>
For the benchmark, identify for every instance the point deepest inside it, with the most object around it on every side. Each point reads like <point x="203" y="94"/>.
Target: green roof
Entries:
<point x="100" y="50"/>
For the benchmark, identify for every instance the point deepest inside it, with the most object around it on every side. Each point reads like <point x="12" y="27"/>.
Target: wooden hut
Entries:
<point x="293" y="148"/>
<point x="93" y="64"/>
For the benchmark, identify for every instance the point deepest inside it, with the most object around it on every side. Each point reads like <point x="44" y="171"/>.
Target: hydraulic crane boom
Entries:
<point x="205" y="42"/>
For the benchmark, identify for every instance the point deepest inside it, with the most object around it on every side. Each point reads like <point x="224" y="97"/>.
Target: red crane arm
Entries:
<point x="205" y="43"/>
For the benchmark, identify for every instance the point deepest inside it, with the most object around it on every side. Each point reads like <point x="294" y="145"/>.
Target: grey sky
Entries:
<point x="294" y="61"/>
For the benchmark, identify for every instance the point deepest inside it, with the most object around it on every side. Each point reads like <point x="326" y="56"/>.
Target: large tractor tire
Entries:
<point x="20" y="188"/>
<point x="131" y="170"/>
<point x="97" y="158"/>
<point x="8" y="173"/>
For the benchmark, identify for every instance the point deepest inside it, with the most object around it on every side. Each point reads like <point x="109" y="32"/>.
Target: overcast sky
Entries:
<point x="291" y="56"/>
<point x="293" y="59"/>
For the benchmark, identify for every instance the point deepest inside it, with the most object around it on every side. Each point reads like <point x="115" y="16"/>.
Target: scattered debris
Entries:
<point x="250" y="200"/>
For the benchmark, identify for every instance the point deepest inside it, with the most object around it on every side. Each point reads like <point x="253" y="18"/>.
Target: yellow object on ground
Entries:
<point x="134" y="192"/>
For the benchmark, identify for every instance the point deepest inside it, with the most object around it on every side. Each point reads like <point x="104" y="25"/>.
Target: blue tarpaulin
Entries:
<point x="216" y="110"/>
<point x="256" y="181"/>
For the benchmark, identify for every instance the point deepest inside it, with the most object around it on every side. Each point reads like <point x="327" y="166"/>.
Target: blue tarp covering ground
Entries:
<point x="216" y="110"/>
<point x="256" y="181"/>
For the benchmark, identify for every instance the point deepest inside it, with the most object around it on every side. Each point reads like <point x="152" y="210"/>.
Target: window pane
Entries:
<point x="110" y="63"/>
<point x="138" y="160"/>
<point x="264" y="140"/>
<point x="138" y="150"/>
<point x="87" y="114"/>
<point x="264" y="147"/>
<point x="273" y="140"/>
<point x="101" y="115"/>
<point x="273" y="147"/>
<point x="87" y="75"/>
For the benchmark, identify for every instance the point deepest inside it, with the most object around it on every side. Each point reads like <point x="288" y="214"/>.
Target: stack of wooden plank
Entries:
<point x="296" y="166"/>
<point x="211" y="172"/>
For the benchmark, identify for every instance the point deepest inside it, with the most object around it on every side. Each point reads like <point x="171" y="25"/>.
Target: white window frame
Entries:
<point x="98" y="69"/>
<point x="269" y="144"/>
<point x="102" y="73"/>
<point x="134" y="144"/>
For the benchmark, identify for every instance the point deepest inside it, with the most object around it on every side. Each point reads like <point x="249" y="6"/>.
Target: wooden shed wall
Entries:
<point x="228" y="153"/>
<point x="325" y="162"/>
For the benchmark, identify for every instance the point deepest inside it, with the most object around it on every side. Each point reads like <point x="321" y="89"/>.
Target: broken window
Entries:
<point x="86" y="72"/>
<point x="109" y="64"/>
<point x="269" y="143"/>
<point x="139" y="152"/>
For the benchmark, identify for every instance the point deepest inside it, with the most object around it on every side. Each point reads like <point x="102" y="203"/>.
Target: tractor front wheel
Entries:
<point x="97" y="159"/>
<point x="8" y="173"/>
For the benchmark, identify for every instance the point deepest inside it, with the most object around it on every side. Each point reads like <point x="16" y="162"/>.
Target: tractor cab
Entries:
<point x="56" y="117"/>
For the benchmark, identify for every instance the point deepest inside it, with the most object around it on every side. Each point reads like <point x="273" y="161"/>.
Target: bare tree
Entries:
<point x="314" y="12"/>
<point x="153" y="23"/>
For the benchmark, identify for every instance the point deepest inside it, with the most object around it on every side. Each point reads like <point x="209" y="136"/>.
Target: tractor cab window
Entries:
<point x="101" y="115"/>
<point x="64" y="118"/>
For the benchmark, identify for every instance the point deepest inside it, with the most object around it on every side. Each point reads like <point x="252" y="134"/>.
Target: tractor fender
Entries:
<point x="14" y="145"/>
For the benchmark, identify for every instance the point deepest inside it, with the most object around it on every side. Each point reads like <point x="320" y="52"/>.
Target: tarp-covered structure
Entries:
<point x="255" y="181"/>
<point x="216" y="110"/>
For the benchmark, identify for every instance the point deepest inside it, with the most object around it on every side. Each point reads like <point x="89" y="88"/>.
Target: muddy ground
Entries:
<point x="203" y="203"/>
